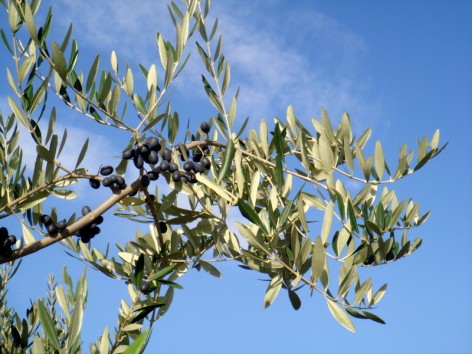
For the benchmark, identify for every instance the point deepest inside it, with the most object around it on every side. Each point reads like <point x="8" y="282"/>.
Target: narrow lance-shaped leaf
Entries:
<point x="340" y="316"/>
<point x="250" y="214"/>
<point x="60" y="64"/>
<point x="318" y="259"/>
<point x="379" y="159"/>
<point x="227" y="161"/>
<point x="83" y="151"/>
<point x="214" y="187"/>
<point x="139" y="344"/>
<point x="327" y="222"/>
<point x="47" y="325"/>
<point x="272" y="290"/>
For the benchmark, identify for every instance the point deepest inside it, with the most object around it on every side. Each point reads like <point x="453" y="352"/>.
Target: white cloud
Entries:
<point x="274" y="63"/>
<point x="128" y="27"/>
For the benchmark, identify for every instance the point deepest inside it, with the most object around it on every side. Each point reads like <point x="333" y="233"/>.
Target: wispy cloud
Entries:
<point x="127" y="27"/>
<point x="310" y="61"/>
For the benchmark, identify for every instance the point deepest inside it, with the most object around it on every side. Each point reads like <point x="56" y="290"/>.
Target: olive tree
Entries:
<point x="278" y="177"/>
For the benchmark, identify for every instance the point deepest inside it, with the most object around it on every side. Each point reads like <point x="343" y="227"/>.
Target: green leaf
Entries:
<point x="294" y="299"/>
<point x="104" y="343"/>
<point x="27" y="235"/>
<point x="73" y="339"/>
<point x="254" y="240"/>
<point x="83" y="151"/>
<point x="327" y="222"/>
<point x="250" y="214"/>
<point x="139" y="344"/>
<point x="227" y="161"/>
<point x="209" y="268"/>
<point x="326" y="154"/>
<point x="138" y="271"/>
<point x="214" y="187"/>
<point x="144" y="311"/>
<point x="378" y="295"/>
<point x="18" y="113"/>
<point x="47" y="325"/>
<point x="341" y="316"/>
<point x="162" y="273"/>
<point x="92" y="73"/>
<point x="362" y="291"/>
<point x="379" y="159"/>
<point x="272" y="290"/>
<point x="318" y="260"/>
<point x="373" y="317"/>
<point x="60" y="64"/>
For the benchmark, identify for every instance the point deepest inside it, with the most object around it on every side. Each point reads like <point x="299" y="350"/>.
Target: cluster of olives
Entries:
<point x="141" y="153"/>
<point x="112" y="181"/>
<point x="52" y="226"/>
<point x="90" y="230"/>
<point x="148" y="152"/>
<point x="6" y="241"/>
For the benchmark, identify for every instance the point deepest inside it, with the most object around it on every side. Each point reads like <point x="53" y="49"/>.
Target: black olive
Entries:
<point x="167" y="155"/>
<point x="85" y="210"/>
<point x="205" y="127"/>
<point x="176" y="176"/>
<point x="129" y="154"/>
<point x="153" y="175"/>
<point x="138" y="161"/>
<point x="145" y="181"/>
<point x="106" y="170"/>
<point x="173" y="167"/>
<point x="188" y="166"/>
<point x="164" y="166"/>
<point x="61" y="225"/>
<point x="206" y="162"/>
<point x="46" y="220"/>
<point x="153" y="157"/>
<point x="153" y="143"/>
<point x="145" y="287"/>
<point x="94" y="183"/>
<point x="162" y="227"/>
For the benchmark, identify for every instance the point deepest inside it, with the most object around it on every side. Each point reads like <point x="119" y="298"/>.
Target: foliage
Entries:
<point x="281" y="177"/>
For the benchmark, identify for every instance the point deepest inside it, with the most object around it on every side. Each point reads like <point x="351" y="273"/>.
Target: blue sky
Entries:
<point x="403" y="68"/>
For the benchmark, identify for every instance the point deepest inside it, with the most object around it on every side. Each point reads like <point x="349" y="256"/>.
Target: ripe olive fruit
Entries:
<point x="153" y="175"/>
<point x="61" y="225"/>
<point x="162" y="227"/>
<point x="85" y="210"/>
<point x="145" y="181"/>
<point x="106" y="170"/>
<point x="198" y="168"/>
<point x="188" y="166"/>
<point x="94" y="183"/>
<point x="98" y="220"/>
<point x="51" y="228"/>
<point x="164" y="166"/>
<point x="12" y="239"/>
<point x="145" y="287"/>
<point x="138" y="161"/>
<point x="46" y="220"/>
<point x="191" y="177"/>
<point x="173" y="167"/>
<point x="153" y="143"/>
<point x="144" y="149"/>
<point x="153" y="157"/>
<point x="205" y="127"/>
<point x="176" y="176"/>
<point x="197" y="156"/>
<point x="129" y="154"/>
<point x="167" y="155"/>
<point x="206" y="162"/>
<point x="3" y="232"/>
